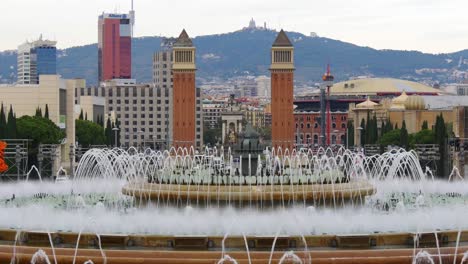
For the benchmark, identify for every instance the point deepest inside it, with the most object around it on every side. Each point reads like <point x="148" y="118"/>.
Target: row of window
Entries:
<point x="316" y="118"/>
<point x="316" y="125"/>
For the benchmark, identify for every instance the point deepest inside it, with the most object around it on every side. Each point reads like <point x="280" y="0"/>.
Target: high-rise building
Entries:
<point x="36" y="58"/>
<point x="184" y="92"/>
<point x="282" y="90"/>
<point x="263" y="86"/>
<point x="115" y="46"/>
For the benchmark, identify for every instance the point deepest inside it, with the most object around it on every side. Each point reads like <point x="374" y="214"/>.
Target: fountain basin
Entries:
<point x="275" y="193"/>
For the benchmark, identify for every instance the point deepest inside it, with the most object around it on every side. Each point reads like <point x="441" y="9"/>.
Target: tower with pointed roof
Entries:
<point x="184" y="92"/>
<point x="282" y="89"/>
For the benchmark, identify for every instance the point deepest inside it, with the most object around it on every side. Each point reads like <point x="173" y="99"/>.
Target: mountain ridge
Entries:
<point x="248" y="52"/>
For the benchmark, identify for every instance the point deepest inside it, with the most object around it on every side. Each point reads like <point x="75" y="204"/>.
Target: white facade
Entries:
<point x="263" y="86"/>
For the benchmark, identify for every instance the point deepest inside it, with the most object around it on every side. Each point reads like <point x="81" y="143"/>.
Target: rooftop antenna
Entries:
<point x="132" y="19"/>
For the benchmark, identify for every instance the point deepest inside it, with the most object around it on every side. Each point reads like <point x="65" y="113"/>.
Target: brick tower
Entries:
<point x="184" y="92"/>
<point x="282" y="86"/>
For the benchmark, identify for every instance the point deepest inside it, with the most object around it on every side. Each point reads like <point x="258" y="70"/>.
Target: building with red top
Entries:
<point x="115" y="46"/>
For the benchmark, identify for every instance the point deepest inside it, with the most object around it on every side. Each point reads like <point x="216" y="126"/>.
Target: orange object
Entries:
<point x="3" y="165"/>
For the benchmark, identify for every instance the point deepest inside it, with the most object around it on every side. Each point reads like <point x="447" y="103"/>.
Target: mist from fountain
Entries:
<point x="405" y="195"/>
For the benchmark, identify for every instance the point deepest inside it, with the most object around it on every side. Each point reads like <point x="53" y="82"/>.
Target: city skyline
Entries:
<point x="427" y="26"/>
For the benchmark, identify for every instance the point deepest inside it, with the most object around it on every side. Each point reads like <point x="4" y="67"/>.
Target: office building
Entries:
<point x="36" y="58"/>
<point x="115" y="46"/>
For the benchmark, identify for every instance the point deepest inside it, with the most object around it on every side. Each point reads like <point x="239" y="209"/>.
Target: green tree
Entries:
<point x="40" y="130"/>
<point x="363" y="132"/>
<point x="382" y="128"/>
<point x="38" y="112"/>
<point x="86" y="116"/>
<point x="390" y="138"/>
<point x="46" y="112"/>
<point x="440" y="138"/>
<point x="81" y="117"/>
<point x="425" y="125"/>
<point x="424" y="136"/>
<point x="350" y="133"/>
<point x="11" y="124"/>
<point x="404" y="138"/>
<point x="89" y="133"/>
<point x="388" y="126"/>
<point x="3" y="123"/>
<point x="108" y="133"/>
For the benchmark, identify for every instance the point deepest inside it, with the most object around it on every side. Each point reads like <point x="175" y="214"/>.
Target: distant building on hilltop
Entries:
<point x="36" y="58"/>
<point x="253" y="25"/>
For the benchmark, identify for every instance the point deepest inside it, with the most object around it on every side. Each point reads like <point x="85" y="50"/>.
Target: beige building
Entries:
<point x="57" y="93"/>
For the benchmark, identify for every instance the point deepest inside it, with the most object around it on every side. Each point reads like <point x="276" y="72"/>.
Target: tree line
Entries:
<point x="392" y="135"/>
<point x="41" y="130"/>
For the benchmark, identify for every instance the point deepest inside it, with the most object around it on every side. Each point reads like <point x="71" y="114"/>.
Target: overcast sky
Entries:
<point x="435" y="26"/>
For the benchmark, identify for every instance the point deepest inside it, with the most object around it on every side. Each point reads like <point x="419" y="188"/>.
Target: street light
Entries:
<point x="116" y="130"/>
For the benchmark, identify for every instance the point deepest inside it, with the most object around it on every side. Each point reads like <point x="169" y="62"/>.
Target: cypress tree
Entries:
<point x="404" y="139"/>
<point x="38" y="112"/>
<point x="396" y="126"/>
<point x="375" y="132"/>
<point x="425" y="125"/>
<point x="363" y="132"/>
<point x="86" y="116"/>
<point x="81" y="115"/>
<point x="382" y="128"/>
<point x="3" y="124"/>
<point x="11" y="125"/>
<point x="108" y="132"/>
<point x="389" y="126"/>
<point x="350" y="133"/>
<point x="46" y="112"/>
<point x="440" y="134"/>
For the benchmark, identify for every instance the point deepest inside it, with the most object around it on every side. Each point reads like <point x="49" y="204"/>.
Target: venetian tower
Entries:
<point x="282" y="89"/>
<point x="184" y="92"/>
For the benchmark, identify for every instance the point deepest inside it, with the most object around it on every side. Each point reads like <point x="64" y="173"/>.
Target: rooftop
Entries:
<point x="183" y="40"/>
<point x="282" y="40"/>
<point x="378" y="86"/>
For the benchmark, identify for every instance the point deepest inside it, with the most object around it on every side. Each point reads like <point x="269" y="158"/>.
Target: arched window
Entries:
<point x="308" y="139"/>
<point x="343" y="140"/>
<point x="333" y="125"/>
<point x="302" y="125"/>
<point x="308" y="125"/>
<point x="316" y="125"/>
<point x="315" y="139"/>
<point x="333" y="139"/>
<point x="343" y="125"/>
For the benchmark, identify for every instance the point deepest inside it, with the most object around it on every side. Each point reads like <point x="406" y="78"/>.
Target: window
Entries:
<point x="343" y="125"/>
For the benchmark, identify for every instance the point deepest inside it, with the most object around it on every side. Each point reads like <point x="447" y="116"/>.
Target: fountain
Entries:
<point x="308" y="206"/>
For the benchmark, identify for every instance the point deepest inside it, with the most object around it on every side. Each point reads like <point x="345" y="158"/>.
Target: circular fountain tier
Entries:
<point x="326" y="193"/>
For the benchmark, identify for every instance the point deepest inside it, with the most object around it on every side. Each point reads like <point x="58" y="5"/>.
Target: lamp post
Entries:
<point x="116" y="130"/>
